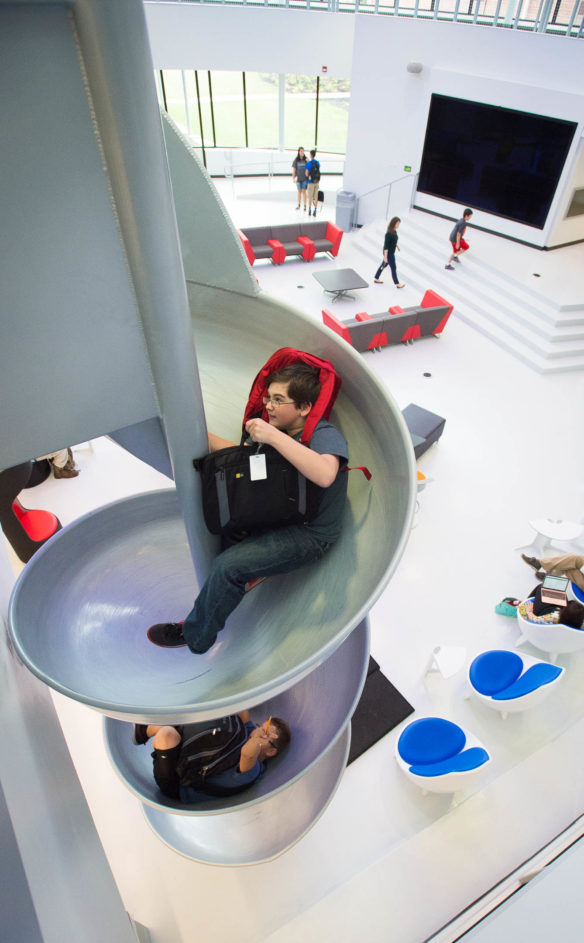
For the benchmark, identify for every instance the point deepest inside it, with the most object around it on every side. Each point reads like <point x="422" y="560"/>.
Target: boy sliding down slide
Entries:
<point x="291" y="394"/>
<point x="191" y="764"/>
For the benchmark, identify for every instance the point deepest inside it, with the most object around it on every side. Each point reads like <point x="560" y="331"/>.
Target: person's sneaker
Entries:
<point x="378" y="281"/>
<point x="65" y="472"/>
<point x="166" y="634"/>
<point x="139" y="734"/>
<point x="533" y="562"/>
<point x="450" y="267"/>
<point x="541" y="574"/>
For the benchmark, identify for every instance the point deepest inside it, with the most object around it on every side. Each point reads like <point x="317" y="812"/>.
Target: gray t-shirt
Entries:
<point x="299" y="163"/>
<point x="327" y="440"/>
<point x="459" y="228"/>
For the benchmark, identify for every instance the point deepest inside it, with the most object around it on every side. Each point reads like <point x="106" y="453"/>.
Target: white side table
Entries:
<point x="548" y="530"/>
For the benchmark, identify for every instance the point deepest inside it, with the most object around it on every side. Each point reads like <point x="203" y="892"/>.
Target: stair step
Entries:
<point x="547" y="337"/>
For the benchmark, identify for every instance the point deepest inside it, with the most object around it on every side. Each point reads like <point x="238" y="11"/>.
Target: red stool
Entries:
<point x="26" y="530"/>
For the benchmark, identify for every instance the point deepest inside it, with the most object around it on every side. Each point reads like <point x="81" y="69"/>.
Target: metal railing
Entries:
<point x="561" y="17"/>
<point x="387" y="186"/>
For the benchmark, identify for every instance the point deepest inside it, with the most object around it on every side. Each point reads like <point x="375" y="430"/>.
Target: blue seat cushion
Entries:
<point x="534" y="678"/>
<point x="430" y="740"/>
<point x="495" y="671"/>
<point x="461" y="763"/>
<point x="578" y="593"/>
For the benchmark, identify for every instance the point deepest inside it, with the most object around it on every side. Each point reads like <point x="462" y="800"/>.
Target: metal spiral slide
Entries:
<point x="164" y="326"/>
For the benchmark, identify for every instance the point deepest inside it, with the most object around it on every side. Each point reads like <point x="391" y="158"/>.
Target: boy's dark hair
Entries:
<point x="313" y="152"/>
<point x="467" y="212"/>
<point x="572" y="614"/>
<point x="284" y="733"/>
<point x="303" y="382"/>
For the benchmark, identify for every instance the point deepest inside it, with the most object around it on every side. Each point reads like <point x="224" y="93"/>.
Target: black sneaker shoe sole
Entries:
<point x="163" y="644"/>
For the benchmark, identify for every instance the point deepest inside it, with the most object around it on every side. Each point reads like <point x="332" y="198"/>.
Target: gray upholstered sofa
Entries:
<point x="397" y="325"/>
<point x="301" y="239"/>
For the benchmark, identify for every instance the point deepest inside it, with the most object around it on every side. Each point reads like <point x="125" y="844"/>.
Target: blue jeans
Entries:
<point x="391" y="263"/>
<point x="264" y="553"/>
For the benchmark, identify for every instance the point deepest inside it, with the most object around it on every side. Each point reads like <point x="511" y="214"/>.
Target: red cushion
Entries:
<point x="39" y="525"/>
<point x="363" y="316"/>
<point x="396" y="310"/>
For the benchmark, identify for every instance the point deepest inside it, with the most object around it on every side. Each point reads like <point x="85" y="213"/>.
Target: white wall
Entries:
<point x="389" y="106"/>
<point x="569" y="230"/>
<point x="191" y="36"/>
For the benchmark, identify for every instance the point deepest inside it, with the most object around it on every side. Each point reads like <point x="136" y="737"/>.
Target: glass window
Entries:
<point x="300" y="110"/>
<point x="333" y="114"/>
<point x="228" y="108"/>
<point x="192" y="104"/>
<point x="262" y="108"/>
<point x="175" y="98"/>
<point x="205" y="99"/>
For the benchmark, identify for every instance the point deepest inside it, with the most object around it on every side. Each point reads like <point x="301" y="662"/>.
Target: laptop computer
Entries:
<point x="553" y="590"/>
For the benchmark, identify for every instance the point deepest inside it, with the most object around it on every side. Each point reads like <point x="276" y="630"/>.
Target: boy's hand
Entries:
<point x="251" y="749"/>
<point x="259" y="430"/>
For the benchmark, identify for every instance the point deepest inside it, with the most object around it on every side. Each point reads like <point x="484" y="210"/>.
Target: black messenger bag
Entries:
<point x="245" y="487"/>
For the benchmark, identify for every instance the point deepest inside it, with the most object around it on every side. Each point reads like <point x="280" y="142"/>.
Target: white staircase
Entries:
<point x="546" y="335"/>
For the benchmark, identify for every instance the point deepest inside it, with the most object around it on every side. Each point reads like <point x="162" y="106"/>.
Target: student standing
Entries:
<point x="389" y="249"/>
<point x="299" y="175"/>
<point x="313" y="171"/>
<point x="459" y="244"/>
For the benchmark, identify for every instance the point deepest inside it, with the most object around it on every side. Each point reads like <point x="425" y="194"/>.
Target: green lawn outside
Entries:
<point x="262" y="111"/>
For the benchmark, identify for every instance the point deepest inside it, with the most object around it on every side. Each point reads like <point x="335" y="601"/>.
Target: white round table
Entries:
<point x="548" y="530"/>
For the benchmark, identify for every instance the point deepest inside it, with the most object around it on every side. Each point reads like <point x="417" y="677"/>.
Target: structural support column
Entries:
<point x="115" y="51"/>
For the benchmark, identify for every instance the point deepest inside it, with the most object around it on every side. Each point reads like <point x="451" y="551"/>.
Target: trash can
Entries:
<point x="346" y="207"/>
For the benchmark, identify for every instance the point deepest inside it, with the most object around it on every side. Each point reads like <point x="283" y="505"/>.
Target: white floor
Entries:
<point x="385" y="863"/>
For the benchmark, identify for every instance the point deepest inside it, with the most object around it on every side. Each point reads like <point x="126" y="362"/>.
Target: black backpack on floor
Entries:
<point x="210" y="752"/>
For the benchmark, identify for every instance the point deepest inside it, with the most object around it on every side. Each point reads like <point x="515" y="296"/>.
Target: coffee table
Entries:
<point x="340" y="281"/>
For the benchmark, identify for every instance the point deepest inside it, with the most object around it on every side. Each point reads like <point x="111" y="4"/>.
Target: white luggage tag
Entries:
<point x="257" y="467"/>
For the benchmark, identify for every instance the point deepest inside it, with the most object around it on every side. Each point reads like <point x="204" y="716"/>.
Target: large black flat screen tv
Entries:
<point x="495" y="159"/>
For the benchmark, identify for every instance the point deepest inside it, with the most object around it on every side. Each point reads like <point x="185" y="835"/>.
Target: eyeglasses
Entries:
<point x="277" y="402"/>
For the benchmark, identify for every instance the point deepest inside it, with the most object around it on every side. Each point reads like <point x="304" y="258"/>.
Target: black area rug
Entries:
<point x="380" y="709"/>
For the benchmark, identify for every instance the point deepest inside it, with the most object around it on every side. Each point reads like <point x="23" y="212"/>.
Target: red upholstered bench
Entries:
<point x="335" y="325"/>
<point x="279" y="253"/>
<point x="309" y="249"/>
<point x="292" y="239"/>
<point x="379" y="339"/>
<point x="432" y="299"/>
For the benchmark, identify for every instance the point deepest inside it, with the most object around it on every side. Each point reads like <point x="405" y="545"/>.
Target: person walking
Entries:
<point x="389" y="249"/>
<point x="299" y="175"/>
<point x="459" y="243"/>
